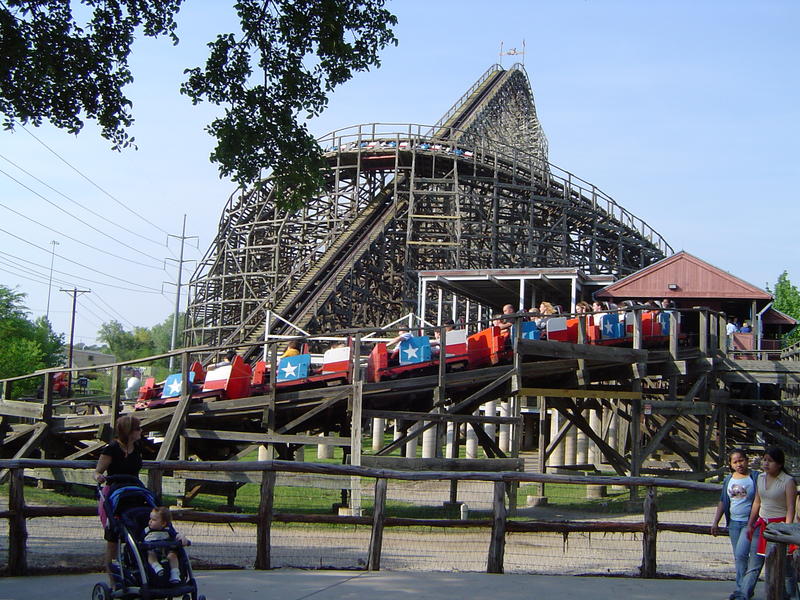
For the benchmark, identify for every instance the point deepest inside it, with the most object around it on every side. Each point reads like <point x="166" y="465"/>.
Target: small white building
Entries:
<point x="91" y="358"/>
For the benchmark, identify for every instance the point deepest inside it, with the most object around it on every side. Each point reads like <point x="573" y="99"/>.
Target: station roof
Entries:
<point x="776" y="317"/>
<point x="680" y="276"/>
<point x="496" y="287"/>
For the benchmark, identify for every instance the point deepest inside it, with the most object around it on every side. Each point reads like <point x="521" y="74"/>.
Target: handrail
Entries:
<point x="339" y="140"/>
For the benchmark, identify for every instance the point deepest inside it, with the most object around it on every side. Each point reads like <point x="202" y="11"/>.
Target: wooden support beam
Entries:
<point x="784" y="439"/>
<point x="340" y="395"/>
<point x="581" y="393"/>
<point x="488" y="444"/>
<point x="264" y="438"/>
<point x="179" y="416"/>
<point x="582" y="351"/>
<point x="616" y="460"/>
<point x="264" y="522"/>
<point x="442" y="417"/>
<point x="497" y="542"/>
<point x="399" y="463"/>
<point x="16" y="408"/>
<point x="378" y="515"/>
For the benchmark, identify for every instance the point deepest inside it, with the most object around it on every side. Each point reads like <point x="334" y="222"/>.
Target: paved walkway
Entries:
<point x="290" y="584"/>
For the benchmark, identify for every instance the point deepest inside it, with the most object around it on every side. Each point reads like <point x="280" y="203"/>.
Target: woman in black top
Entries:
<point x="123" y="456"/>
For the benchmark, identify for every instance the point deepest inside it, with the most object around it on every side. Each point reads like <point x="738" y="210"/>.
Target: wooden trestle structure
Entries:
<point x="474" y="191"/>
<point x="680" y="400"/>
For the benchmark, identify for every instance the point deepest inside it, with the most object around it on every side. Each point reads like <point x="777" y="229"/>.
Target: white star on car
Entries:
<point x="289" y="370"/>
<point x="609" y="327"/>
<point x="175" y="387"/>
<point x="411" y="352"/>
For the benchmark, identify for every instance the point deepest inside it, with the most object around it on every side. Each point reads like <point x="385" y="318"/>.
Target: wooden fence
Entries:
<point x="264" y="472"/>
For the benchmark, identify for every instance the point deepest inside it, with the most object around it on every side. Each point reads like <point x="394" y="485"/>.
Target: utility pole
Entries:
<point x="182" y="237"/>
<point x="50" y="282"/>
<point x="74" y="292"/>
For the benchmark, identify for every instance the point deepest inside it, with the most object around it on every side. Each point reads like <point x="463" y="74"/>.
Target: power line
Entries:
<point x="86" y="208"/>
<point x="100" y="319"/>
<point x="114" y="310"/>
<point x="142" y="289"/>
<point x="80" y="221"/>
<point x="122" y="204"/>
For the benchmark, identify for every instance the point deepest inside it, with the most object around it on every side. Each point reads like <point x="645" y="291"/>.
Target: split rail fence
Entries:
<point x="641" y="542"/>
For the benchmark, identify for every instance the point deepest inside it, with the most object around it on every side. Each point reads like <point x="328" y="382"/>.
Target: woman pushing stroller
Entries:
<point x="123" y="456"/>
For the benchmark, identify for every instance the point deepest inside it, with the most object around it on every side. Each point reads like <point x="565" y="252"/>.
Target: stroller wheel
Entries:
<point x="101" y="591"/>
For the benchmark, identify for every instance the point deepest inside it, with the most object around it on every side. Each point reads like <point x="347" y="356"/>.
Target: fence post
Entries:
<point x="17" y="527"/>
<point x="775" y="565"/>
<point x="497" y="545"/>
<point x="264" y="526"/>
<point x="648" y="569"/>
<point x="376" y="539"/>
<point x="155" y="482"/>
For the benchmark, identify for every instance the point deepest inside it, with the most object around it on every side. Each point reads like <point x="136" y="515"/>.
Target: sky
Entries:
<point x="685" y="112"/>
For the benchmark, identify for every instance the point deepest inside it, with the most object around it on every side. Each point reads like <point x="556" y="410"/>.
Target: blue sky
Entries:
<point x="686" y="113"/>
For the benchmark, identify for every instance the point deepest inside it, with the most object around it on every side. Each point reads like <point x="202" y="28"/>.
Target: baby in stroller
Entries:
<point x="144" y="533"/>
<point x="159" y="529"/>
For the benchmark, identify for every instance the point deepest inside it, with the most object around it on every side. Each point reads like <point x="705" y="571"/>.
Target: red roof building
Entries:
<point x="689" y="281"/>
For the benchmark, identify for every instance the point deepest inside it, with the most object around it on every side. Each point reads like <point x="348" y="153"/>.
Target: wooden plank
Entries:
<point x="649" y="537"/>
<point x="400" y="463"/>
<point x="264" y="438"/>
<point x="17" y="526"/>
<point x="264" y="522"/>
<point x="179" y="416"/>
<point x="584" y="393"/>
<point x="378" y="515"/>
<point x="17" y="432"/>
<point x="315" y="411"/>
<point x="497" y="543"/>
<point x="444" y="417"/>
<point x="16" y="408"/>
<point x="610" y="354"/>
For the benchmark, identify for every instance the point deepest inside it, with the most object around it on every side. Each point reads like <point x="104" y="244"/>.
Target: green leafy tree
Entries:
<point x="26" y="345"/>
<point x="280" y="67"/>
<point x="124" y="344"/>
<point x="161" y="334"/>
<point x="19" y="356"/>
<point x="787" y="300"/>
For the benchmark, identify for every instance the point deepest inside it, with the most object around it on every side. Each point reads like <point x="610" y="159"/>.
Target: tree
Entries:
<point x="126" y="345"/>
<point x="787" y="300"/>
<point x="57" y="68"/>
<point x="26" y="345"/>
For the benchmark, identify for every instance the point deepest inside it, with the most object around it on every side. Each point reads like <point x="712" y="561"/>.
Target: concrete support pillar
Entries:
<point x="613" y="430"/>
<point x="451" y="448"/>
<point x="429" y="442"/>
<point x="378" y="427"/>
<point x="557" y="456"/>
<point x="595" y="422"/>
<point x="583" y="443"/>
<point x="300" y="454"/>
<point x="504" y="439"/>
<point x="570" y="446"/>
<point x="411" y="446"/>
<point x="490" y="410"/>
<point x="471" y="441"/>
<point x="397" y="431"/>
<point x="323" y="450"/>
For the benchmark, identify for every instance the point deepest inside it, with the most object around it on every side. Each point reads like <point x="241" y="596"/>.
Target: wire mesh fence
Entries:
<point x="324" y="516"/>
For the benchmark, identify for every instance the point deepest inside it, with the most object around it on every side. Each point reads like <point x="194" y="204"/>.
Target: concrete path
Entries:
<point x="289" y="584"/>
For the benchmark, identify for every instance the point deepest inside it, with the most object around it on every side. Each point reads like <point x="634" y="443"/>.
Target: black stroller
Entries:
<point x="128" y="508"/>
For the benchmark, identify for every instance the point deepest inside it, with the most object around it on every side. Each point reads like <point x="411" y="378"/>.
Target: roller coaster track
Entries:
<point x="404" y="197"/>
